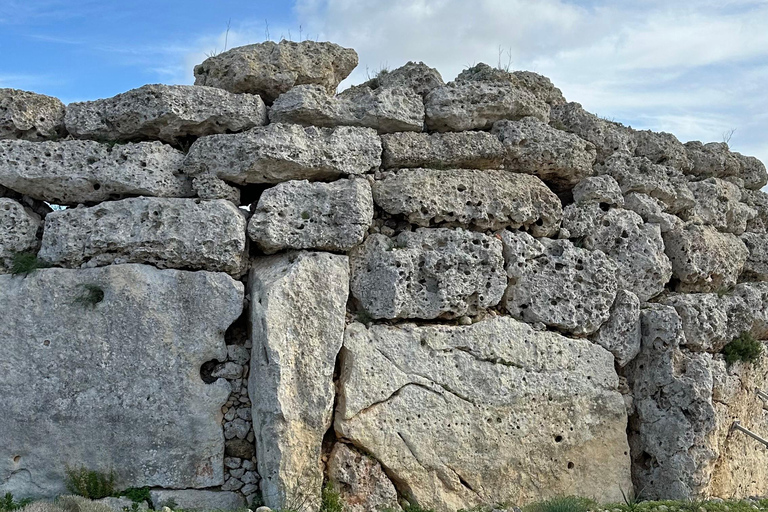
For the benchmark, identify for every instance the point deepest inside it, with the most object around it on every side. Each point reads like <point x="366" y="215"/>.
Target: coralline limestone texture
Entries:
<point x="444" y="294"/>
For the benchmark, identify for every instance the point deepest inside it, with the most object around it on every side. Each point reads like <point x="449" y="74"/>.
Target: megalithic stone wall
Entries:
<point x="442" y="294"/>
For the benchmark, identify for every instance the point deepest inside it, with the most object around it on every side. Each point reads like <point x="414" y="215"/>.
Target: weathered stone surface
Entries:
<point x="39" y="207"/>
<point x="270" y="69"/>
<point x="534" y="147"/>
<point x="360" y="481"/>
<point x="598" y="189"/>
<point x="704" y="260"/>
<point x="482" y="199"/>
<point x="170" y="113"/>
<point x="30" y="116"/>
<point x="386" y="109"/>
<point x="282" y="152"/>
<point x="209" y="186"/>
<point x="452" y="150"/>
<point x="718" y="203"/>
<point x="553" y="282"/>
<point x="416" y="76"/>
<point x="636" y="248"/>
<point x="196" y="499"/>
<point x="111" y="379"/>
<point x="426" y="400"/>
<point x="78" y="171"/>
<point x="298" y="306"/>
<point x="712" y="160"/>
<point x="652" y="211"/>
<point x="75" y="503"/>
<point x="752" y="171"/>
<point x="758" y="200"/>
<point x="303" y="215"/>
<point x="607" y="136"/>
<point x="638" y="174"/>
<point x="476" y="105"/>
<point x="18" y="231"/>
<point x="620" y="334"/>
<point x="167" y="233"/>
<point x="120" y="504"/>
<point x="539" y="85"/>
<point x="661" y="148"/>
<point x="756" y="266"/>
<point x="755" y="296"/>
<point x="428" y="273"/>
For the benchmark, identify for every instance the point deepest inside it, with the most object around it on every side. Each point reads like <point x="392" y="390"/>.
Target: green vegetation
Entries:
<point x="137" y="494"/>
<point x="90" y="295"/>
<point x="7" y="503"/>
<point x="416" y="508"/>
<point x="744" y="348"/>
<point x="90" y="484"/>
<point x="331" y="500"/>
<point x="562" y="504"/>
<point x="689" y="506"/>
<point x="26" y="262"/>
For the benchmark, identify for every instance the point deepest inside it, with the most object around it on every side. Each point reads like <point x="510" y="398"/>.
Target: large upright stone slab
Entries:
<point x="167" y="233"/>
<point x="30" y="116"/>
<point x="270" y="69"/>
<point x="169" y="113"/>
<point x="79" y="171"/>
<point x="281" y="152"/>
<point x="487" y="413"/>
<point x="18" y="231"/>
<point x="101" y="368"/>
<point x="298" y="307"/>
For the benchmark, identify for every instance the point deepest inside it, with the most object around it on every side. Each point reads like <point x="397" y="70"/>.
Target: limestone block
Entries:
<point x="30" y="116"/>
<point x="756" y="266"/>
<point x="167" y="233"/>
<point x="661" y="148"/>
<point x="598" y="189"/>
<point x="451" y="150"/>
<point x="712" y="160"/>
<point x="428" y="273"/>
<point x="607" y="136"/>
<point x="752" y="171"/>
<point x="651" y="210"/>
<point x="464" y="415"/>
<point x="718" y="203"/>
<point x="482" y="199"/>
<point x="298" y="307"/>
<point x="620" y="334"/>
<point x="416" y="76"/>
<point x="98" y="374"/>
<point x="79" y="171"/>
<point x="18" y="232"/>
<point x="303" y="215"/>
<point x="360" y="481"/>
<point x="538" y="85"/>
<point x="758" y="200"/>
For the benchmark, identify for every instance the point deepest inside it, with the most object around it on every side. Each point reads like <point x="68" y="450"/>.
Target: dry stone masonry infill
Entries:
<point x="423" y="293"/>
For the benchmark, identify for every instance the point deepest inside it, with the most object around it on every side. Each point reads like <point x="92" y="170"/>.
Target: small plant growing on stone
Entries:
<point x="7" y="503"/>
<point x="561" y="504"/>
<point x="24" y="263"/>
<point x="331" y="500"/>
<point x="137" y="494"/>
<point x="171" y="504"/>
<point x="90" y="295"/>
<point x="90" y="484"/>
<point x="744" y="348"/>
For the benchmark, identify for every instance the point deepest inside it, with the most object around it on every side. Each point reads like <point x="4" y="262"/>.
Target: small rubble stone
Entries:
<point x="620" y="334"/>
<point x="387" y="109"/>
<point x="476" y="105"/>
<point x="558" y="284"/>
<point x="428" y="273"/>
<point x="240" y="448"/>
<point x="303" y="215"/>
<point x="662" y="148"/>
<point x="167" y="233"/>
<point x="228" y="370"/>
<point x="361" y="483"/>
<point x="598" y="189"/>
<point x="416" y="76"/>
<point x="718" y="204"/>
<point x="533" y="147"/>
<point x="79" y="171"/>
<point x="197" y="499"/>
<point x="30" y="116"/>
<point x="481" y="199"/>
<point x="451" y="150"/>
<point x="282" y="152"/>
<point x="169" y="113"/>
<point x="756" y="266"/>
<point x="270" y="69"/>
<point x="18" y="232"/>
<point x="703" y="259"/>
<point x="607" y="136"/>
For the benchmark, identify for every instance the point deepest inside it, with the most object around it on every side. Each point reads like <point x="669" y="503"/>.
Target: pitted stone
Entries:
<point x="718" y="204"/>
<point x="18" y="232"/>
<point x="270" y="69"/>
<point x="661" y="148"/>
<point x="428" y="273"/>
<point x="416" y="76"/>
<point x="713" y="159"/>
<point x="620" y="334"/>
<point x="361" y="483"/>
<point x="756" y="266"/>
<point x="167" y="233"/>
<point x="303" y="215"/>
<point x="607" y="136"/>
<point x="752" y="171"/>
<point x="758" y="200"/>
<point x="451" y="150"/>
<point x="534" y="147"/>
<point x="481" y="199"/>
<point x="555" y="283"/>
<point x="598" y="189"/>
<point x="30" y="116"/>
<point x="79" y="171"/>
<point x="539" y="85"/>
<point x="651" y="210"/>
<point x="282" y="152"/>
<point x="169" y="113"/>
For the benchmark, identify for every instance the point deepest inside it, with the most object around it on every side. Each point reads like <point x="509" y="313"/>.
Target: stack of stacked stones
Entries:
<point x="462" y="293"/>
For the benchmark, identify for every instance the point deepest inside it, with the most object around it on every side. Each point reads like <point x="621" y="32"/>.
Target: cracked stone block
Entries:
<point x="79" y="171"/>
<point x="476" y="105"/>
<point x="18" y="231"/>
<point x="480" y="199"/>
<point x="555" y="283"/>
<point x="620" y="334"/>
<point x="386" y="109"/>
<point x="428" y="273"/>
<point x="451" y="150"/>
<point x="169" y="113"/>
<point x="167" y="233"/>
<point x="424" y="401"/>
<point x="360" y="481"/>
<point x="94" y="365"/>
<point x="281" y="152"/>
<point x="607" y="136"/>
<point x="298" y="309"/>
<point x="303" y="215"/>
<point x="30" y="116"/>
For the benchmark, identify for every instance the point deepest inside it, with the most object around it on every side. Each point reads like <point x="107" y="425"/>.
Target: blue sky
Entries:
<point x="696" y="68"/>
